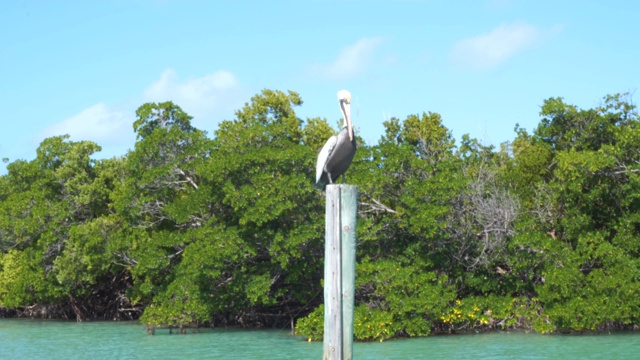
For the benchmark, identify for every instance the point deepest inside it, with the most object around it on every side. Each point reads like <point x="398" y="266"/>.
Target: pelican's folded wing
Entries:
<point x="323" y="156"/>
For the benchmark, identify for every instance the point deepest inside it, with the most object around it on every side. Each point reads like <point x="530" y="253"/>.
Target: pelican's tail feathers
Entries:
<point x="320" y="185"/>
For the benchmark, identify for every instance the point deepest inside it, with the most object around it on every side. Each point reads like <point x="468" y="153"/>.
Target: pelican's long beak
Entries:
<point x="347" y="118"/>
<point x="345" y="103"/>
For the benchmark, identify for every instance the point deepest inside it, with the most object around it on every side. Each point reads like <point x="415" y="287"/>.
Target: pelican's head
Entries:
<point x="345" y="104"/>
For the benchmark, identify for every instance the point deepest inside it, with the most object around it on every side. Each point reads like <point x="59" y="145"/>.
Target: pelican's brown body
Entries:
<point x="337" y="153"/>
<point x="339" y="159"/>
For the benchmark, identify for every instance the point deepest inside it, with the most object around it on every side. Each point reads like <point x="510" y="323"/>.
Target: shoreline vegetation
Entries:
<point x="191" y="230"/>
<point x="470" y="324"/>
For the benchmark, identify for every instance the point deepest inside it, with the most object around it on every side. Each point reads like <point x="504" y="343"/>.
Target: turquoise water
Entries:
<point x="27" y="339"/>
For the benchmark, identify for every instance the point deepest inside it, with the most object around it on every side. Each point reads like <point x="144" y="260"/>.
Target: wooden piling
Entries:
<point x="339" y="270"/>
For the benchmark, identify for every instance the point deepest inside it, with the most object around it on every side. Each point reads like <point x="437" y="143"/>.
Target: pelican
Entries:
<point x="337" y="153"/>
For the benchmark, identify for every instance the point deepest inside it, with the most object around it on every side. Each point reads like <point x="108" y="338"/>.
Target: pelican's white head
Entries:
<point x="345" y="104"/>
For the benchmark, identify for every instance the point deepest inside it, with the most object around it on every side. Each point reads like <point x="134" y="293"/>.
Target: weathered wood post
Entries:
<point x="339" y="271"/>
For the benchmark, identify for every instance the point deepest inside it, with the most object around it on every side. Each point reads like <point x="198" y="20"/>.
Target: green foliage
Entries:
<point x="312" y="325"/>
<point x="196" y="230"/>
<point x="494" y="312"/>
<point x="316" y="132"/>
<point x="407" y="193"/>
<point x="399" y="298"/>
<point x="45" y="201"/>
<point x="20" y="281"/>
<point x="232" y="216"/>
<point x="181" y="305"/>
<point x="377" y="324"/>
<point x="166" y="115"/>
<point x="586" y="264"/>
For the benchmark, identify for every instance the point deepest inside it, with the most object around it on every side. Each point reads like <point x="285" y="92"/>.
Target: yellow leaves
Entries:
<point x="471" y="314"/>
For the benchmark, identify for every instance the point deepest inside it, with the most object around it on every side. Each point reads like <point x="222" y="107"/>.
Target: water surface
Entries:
<point x="35" y="339"/>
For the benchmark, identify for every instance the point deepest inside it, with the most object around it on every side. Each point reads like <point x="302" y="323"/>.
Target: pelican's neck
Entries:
<point x="346" y="123"/>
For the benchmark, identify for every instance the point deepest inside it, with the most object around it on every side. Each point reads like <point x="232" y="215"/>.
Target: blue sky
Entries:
<point x="83" y="67"/>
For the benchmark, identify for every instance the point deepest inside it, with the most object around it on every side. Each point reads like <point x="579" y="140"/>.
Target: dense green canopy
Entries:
<point x="193" y="230"/>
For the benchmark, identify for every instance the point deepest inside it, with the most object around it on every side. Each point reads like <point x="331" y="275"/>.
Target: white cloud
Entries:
<point x="491" y="49"/>
<point x="98" y="123"/>
<point x="212" y="95"/>
<point x="352" y="60"/>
